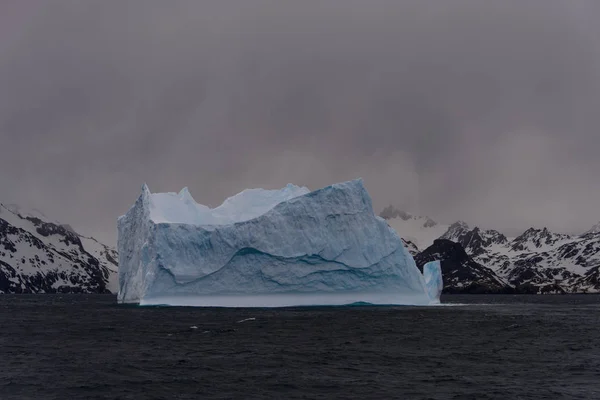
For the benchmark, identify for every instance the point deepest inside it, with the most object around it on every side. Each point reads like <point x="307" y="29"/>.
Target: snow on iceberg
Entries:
<point x="265" y="248"/>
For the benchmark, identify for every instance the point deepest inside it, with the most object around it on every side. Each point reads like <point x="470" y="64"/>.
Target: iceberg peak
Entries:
<point x="145" y="190"/>
<point x="184" y="192"/>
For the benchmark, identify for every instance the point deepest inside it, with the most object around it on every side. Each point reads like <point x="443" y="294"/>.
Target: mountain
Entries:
<point x="460" y="272"/>
<point x="595" y="229"/>
<point x="419" y="231"/>
<point x="37" y="256"/>
<point x="537" y="261"/>
<point x="475" y="241"/>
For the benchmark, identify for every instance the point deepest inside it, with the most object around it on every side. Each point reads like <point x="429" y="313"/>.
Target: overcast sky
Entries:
<point x="486" y="111"/>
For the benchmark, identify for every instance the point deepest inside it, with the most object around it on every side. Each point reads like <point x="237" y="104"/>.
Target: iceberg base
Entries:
<point x="288" y="300"/>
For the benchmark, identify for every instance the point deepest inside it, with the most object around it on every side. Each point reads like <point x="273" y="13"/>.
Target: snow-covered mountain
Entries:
<point x="460" y="272"/>
<point x="537" y="261"/>
<point x="37" y="256"/>
<point x="595" y="229"/>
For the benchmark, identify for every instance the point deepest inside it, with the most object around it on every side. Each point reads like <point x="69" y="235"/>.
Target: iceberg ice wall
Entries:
<point x="264" y="248"/>
<point x="432" y="271"/>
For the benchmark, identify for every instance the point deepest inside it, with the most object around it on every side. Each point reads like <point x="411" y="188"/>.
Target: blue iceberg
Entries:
<point x="432" y="272"/>
<point x="265" y="248"/>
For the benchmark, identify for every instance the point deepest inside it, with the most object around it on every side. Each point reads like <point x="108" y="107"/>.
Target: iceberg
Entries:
<point x="265" y="248"/>
<point x="432" y="272"/>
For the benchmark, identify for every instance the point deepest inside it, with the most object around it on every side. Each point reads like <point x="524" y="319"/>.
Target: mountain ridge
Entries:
<point x="536" y="261"/>
<point x="37" y="256"/>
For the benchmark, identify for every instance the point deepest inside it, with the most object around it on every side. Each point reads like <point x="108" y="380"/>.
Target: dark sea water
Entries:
<point x="492" y="347"/>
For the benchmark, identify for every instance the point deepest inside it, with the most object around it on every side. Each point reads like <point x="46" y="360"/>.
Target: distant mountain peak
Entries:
<point x="23" y="212"/>
<point x="456" y="230"/>
<point x="391" y="212"/>
<point x="535" y="238"/>
<point x="595" y="229"/>
<point x="429" y="223"/>
<point x="460" y="224"/>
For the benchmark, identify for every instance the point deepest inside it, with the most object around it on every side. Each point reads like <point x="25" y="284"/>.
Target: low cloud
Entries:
<point x="483" y="111"/>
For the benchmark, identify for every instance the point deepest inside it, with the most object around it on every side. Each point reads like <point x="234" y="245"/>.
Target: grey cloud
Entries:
<point x="484" y="111"/>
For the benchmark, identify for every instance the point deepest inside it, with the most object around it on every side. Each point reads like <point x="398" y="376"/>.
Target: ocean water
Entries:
<point x="472" y="347"/>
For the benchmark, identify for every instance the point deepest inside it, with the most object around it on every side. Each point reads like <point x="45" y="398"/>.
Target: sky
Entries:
<point x="483" y="111"/>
